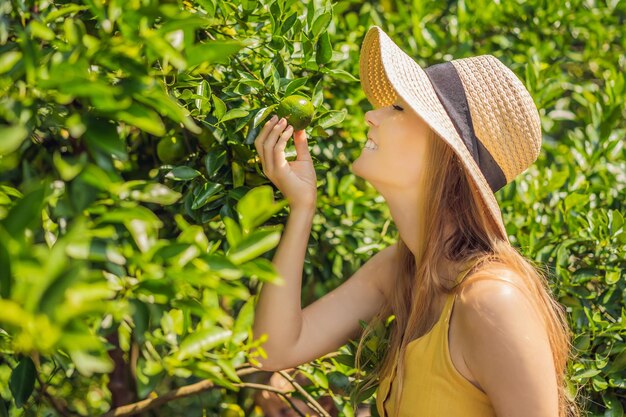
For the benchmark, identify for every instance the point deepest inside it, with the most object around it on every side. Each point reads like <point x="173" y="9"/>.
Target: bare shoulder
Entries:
<point x="506" y="344"/>
<point x="494" y="298"/>
<point x="486" y="289"/>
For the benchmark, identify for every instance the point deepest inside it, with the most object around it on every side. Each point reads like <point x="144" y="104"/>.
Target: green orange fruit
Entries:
<point x="171" y="150"/>
<point x="297" y="109"/>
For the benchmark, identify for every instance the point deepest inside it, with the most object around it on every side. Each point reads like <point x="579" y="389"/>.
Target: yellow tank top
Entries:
<point x="432" y="385"/>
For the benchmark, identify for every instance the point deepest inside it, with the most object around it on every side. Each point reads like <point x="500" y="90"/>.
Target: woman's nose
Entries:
<point x="369" y="118"/>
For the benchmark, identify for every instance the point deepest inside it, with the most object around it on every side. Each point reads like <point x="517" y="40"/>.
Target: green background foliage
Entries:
<point x="122" y="264"/>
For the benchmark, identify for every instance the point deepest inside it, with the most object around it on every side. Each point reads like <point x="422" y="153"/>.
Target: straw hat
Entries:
<point x="476" y="104"/>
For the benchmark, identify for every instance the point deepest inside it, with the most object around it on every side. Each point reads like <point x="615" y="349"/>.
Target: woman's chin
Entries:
<point x="355" y="167"/>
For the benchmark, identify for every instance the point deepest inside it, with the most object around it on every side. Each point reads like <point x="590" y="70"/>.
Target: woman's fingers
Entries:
<point x="269" y="143"/>
<point x="280" y="161"/>
<point x="302" y="146"/>
<point x="258" y="142"/>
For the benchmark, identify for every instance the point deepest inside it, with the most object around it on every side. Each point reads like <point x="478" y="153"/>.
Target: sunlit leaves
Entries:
<point x="169" y="253"/>
<point x="12" y="138"/>
<point x="212" y="52"/>
<point x="201" y="341"/>
<point x="255" y="244"/>
<point x="256" y="207"/>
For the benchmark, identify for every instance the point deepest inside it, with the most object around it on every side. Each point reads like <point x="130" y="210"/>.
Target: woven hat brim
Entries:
<point x="386" y="71"/>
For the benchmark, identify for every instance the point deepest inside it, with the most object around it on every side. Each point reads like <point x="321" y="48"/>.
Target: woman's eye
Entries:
<point x="397" y="107"/>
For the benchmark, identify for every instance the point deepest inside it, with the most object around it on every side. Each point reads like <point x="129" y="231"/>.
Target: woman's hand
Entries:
<point x="295" y="179"/>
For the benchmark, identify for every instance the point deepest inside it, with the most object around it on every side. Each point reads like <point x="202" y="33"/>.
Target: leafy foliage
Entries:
<point x="120" y="264"/>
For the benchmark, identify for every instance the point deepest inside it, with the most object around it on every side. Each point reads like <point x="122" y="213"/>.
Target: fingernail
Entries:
<point x="282" y="120"/>
<point x="273" y="119"/>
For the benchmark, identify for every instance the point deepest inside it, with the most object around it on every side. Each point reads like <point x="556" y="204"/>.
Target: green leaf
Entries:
<point x="233" y="231"/>
<point x="618" y="364"/>
<point x="310" y="12"/>
<point x="53" y="296"/>
<point x="228" y="369"/>
<point x="182" y="173"/>
<point x="166" y="106"/>
<point x="234" y="114"/>
<point x="63" y="11"/>
<point x="5" y="272"/>
<point x="256" y="244"/>
<point x="95" y="250"/>
<point x="575" y="200"/>
<point x="243" y="322"/>
<point x="257" y="206"/>
<point x="8" y="60"/>
<point x="96" y="177"/>
<point x="238" y="174"/>
<point x="221" y="266"/>
<point x="320" y="23"/>
<point x="202" y="341"/>
<point x="41" y="31"/>
<point x="288" y="23"/>
<point x="217" y="51"/>
<point x="156" y="193"/>
<point x="219" y="108"/>
<point x="261" y="268"/>
<point x="340" y="74"/>
<point x="614" y="407"/>
<point x="73" y="30"/>
<point x="160" y="46"/>
<point x="294" y="85"/>
<point x="4" y="412"/>
<point x="143" y="224"/>
<point x="261" y="115"/>
<point x="88" y="363"/>
<point x="11" y="137"/>
<point x="612" y="277"/>
<point x="22" y="381"/>
<point x="324" y="49"/>
<point x="26" y="213"/>
<point x="30" y="55"/>
<point x="142" y="117"/>
<point x="204" y="195"/>
<point x="331" y="118"/>
<point x="203" y="91"/>
<point x="69" y="166"/>
<point x="214" y="160"/>
<point x="103" y="135"/>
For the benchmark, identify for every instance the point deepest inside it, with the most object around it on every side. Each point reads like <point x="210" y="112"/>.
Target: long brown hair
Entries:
<point x="474" y="243"/>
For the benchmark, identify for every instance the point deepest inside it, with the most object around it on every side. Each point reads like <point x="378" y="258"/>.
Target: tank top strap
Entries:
<point x="452" y="296"/>
<point x="464" y="272"/>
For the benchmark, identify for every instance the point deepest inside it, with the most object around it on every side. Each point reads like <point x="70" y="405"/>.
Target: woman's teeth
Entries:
<point x="370" y="145"/>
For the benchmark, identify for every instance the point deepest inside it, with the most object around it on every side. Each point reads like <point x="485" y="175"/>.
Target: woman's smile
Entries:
<point x="370" y="145"/>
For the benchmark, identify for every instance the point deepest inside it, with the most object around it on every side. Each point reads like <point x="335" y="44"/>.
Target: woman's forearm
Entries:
<point x="278" y="311"/>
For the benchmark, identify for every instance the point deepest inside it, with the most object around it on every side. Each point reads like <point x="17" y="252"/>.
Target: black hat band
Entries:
<point x="449" y="88"/>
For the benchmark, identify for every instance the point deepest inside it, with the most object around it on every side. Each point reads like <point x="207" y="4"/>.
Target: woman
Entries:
<point x="442" y="140"/>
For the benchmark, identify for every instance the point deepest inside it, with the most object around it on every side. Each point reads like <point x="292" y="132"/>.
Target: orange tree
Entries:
<point x="134" y="213"/>
<point x="136" y="225"/>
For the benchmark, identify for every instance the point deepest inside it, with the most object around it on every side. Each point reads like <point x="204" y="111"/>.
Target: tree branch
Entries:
<point x="54" y="402"/>
<point x="310" y="401"/>
<point x="198" y="387"/>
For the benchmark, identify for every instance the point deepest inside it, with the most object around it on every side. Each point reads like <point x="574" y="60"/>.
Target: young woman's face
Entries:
<point x="401" y="138"/>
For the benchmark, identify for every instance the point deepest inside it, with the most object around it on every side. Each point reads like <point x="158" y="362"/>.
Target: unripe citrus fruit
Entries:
<point x="297" y="109"/>
<point x="171" y="150"/>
